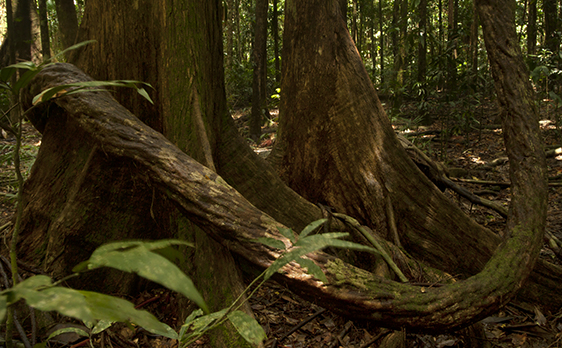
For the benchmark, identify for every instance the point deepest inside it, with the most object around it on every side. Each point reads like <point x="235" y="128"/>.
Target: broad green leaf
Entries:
<point x="311" y="244"/>
<point x="34" y="282"/>
<point x="313" y="269"/>
<point x="68" y="302"/>
<point x="101" y="325"/>
<point x="3" y="307"/>
<point x="73" y="47"/>
<point x="75" y="330"/>
<point x="84" y="86"/>
<point x="6" y="73"/>
<point x="31" y="283"/>
<point x="271" y="242"/>
<point x="145" y="95"/>
<point x="195" y="314"/>
<point x="24" y="80"/>
<point x="200" y="324"/>
<point x="247" y="327"/>
<point x="109" y="308"/>
<point x="311" y="227"/>
<point x="285" y="259"/>
<point x="136" y="257"/>
<point x="23" y="65"/>
<point x="288" y="233"/>
<point x="320" y="241"/>
<point x="150" y="245"/>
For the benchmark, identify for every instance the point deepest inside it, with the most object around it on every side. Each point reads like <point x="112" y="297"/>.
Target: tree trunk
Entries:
<point x="550" y="25"/>
<point x="275" y="31"/>
<point x="532" y="28"/>
<point x="45" y="42"/>
<point x="22" y="30"/>
<point x="259" y="63"/>
<point x="422" y="42"/>
<point x="354" y="15"/>
<point x="452" y="47"/>
<point x="68" y="22"/>
<point x="373" y="45"/>
<point x="474" y="45"/>
<point x="230" y="30"/>
<point x="382" y="41"/>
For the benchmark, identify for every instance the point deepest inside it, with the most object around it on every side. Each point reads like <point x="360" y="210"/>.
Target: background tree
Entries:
<point x="68" y="21"/>
<point x="259" y="61"/>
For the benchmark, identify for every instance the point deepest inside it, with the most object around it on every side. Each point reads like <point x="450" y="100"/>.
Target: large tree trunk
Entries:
<point x="340" y="150"/>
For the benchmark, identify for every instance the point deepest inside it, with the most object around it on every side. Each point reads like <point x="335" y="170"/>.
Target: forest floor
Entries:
<point x="292" y="322"/>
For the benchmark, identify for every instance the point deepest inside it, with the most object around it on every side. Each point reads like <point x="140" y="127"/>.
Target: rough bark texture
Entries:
<point x="229" y="218"/>
<point x="68" y="22"/>
<point x="520" y="118"/>
<point x="44" y="25"/>
<point x="340" y="150"/>
<point x="259" y="63"/>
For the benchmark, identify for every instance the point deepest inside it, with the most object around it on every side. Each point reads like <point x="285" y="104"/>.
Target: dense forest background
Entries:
<point x="429" y="53"/>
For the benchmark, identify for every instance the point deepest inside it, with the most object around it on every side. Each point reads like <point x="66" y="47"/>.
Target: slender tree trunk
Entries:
<point x="230" y="29"/>
<point x="259" y="63"/>
<point x="474" y="45"/>
<point x="373" y="46"/>
<point x="452" y="47"/>
<point x="239" y="49"/>
<point x="9" y="37"/>
<point x="550" y="25"/>
<point x="68" y="22"/>
<point x="381" y="41"/>
<point x="22" y="31"/>
<point x="45" y="41"/>
<point x="532" y="28"/>
<point x="422" y="60"/>
<point x="275" y="31"/>
<point x="422" y="41"/>
<point x="354" y="15"/>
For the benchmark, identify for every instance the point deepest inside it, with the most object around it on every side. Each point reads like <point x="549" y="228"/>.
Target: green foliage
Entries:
<point x="40" y="293"/>
<point x="143" y="259"/>
<point x="304" y="244"/>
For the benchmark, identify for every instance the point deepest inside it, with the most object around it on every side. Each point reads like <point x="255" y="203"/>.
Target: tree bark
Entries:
<point x="68" y="21"/>
<point x="275" y="32"/>
<point x="22" y="30"/>
<point x="550" y="25"/>
<point x="532" y="28"/>
<point x="44" y="23"/>
<point x="259" y="63"/>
